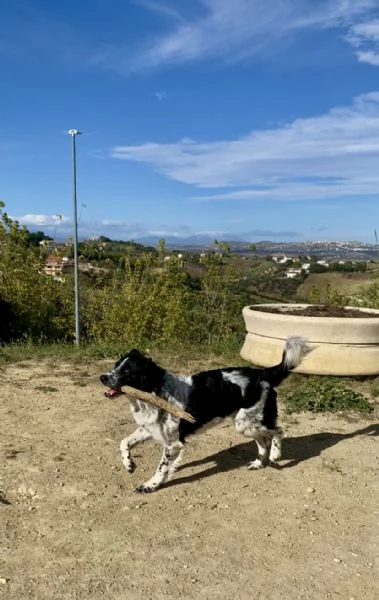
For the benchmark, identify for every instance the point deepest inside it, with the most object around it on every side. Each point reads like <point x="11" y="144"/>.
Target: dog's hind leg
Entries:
<point x="137" y="437"/>
<point x="261" y="459"/>
<point x="276" y="446"/>
<point x="170" y="456"/>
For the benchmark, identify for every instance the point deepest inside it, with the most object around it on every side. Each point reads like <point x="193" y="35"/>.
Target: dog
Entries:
<point x="210" y="396"/>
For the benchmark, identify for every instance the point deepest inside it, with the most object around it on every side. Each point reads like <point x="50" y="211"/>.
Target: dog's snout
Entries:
<point x="104" y="378"/>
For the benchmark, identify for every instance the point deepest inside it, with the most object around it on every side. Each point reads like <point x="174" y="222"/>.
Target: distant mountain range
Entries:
<point x="244" y="239"/>
<point x="193" y="240"/>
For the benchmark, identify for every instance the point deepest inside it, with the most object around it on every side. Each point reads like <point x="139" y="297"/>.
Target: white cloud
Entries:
<point x="364" y="37"/>
<point x="371" y="58"/>
<point x="235" y="30"/>
<point x="332" y="155"/>
<point x="48" y="221"/>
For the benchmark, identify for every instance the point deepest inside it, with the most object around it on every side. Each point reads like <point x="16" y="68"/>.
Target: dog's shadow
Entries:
<point x="295" y="450"/>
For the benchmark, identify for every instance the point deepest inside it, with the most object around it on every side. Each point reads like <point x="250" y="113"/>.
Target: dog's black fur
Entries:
<point x="209" y="396"/>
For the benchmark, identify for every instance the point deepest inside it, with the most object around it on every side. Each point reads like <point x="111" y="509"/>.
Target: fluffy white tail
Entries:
<point x="294" y="351"/>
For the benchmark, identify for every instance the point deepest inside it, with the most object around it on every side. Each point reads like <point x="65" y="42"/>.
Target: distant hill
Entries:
<point x="190" y="242"/>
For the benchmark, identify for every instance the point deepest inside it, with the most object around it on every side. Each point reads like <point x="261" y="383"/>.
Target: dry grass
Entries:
<point x="346" y="283"/>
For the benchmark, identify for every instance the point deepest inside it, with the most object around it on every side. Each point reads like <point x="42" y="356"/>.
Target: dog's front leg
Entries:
<point x="170" y="456"/>
<point x="138" y="436"/>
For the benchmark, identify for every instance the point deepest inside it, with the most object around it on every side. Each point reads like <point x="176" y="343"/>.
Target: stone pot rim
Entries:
<point x="254" y="308"/>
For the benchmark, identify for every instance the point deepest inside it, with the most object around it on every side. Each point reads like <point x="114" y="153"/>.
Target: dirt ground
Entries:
<point x="72" y="527"/>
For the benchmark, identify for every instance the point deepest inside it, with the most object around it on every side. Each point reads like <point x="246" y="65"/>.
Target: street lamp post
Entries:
<point x="74" y="133"/>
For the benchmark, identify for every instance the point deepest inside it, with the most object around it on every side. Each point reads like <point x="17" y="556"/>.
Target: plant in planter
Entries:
<point x="345" y="339"/>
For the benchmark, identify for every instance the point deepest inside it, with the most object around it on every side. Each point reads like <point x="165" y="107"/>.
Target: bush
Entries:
<point x="367" y="297"/>
<point x="320" y="394"/>
<point x="146" y="298"/>
<point x="38" y="307"/>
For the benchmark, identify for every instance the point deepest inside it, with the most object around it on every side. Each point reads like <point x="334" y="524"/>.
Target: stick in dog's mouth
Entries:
<point x="151" y="399"/>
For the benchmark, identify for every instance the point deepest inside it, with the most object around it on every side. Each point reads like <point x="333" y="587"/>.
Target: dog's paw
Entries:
<point x="275" y="455"/>
<point x="144" y="489"/>
<point x="255" y="464"/>
<point x="130" y="466"/>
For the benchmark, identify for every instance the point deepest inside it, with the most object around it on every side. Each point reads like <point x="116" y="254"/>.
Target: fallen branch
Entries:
<point x="159" y="402"/>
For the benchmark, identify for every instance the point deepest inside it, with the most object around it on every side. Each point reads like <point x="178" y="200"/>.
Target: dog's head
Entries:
<point x="133" y="369"/>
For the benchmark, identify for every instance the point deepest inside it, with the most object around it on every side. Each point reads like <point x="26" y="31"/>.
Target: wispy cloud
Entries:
<point x="160" y="96"/>
<point x="226" y="30"/>
<point x="61" y="227"/>
<point x="331" y="155"/>
<point x="246" y="28"/>
<point x="364" y="37"/>
<point x="162" y="8"/>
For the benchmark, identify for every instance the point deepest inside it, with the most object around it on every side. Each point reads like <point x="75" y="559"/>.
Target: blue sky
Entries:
<point x="225" y="117"/>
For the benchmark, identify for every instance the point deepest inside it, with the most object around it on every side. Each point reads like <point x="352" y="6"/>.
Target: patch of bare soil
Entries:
<point x="71" y="526"/>
<point x="318" y="310"/>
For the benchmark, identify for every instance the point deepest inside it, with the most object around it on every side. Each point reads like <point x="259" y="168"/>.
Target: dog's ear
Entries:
<point x="137" y="354"/>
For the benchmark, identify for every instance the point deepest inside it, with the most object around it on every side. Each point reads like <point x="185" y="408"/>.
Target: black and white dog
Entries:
<point x="209" y="396"/>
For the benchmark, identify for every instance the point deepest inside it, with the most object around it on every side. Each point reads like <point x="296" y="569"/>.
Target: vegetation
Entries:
<point x="177" y="304"/>
<point x="325" y="394"/>
<point x="34" y="305"/>
<point x="139" y="296"/>
<point x="338" y="267"/>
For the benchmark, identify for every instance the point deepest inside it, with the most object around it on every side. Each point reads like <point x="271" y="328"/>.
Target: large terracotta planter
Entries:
<point x="342" y="345"/>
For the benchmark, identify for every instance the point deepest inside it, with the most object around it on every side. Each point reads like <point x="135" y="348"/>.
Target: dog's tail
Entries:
<point x="295" y="349"/>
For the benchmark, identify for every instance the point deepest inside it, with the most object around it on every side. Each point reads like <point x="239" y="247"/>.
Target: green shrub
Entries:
<point x="37" y="306"/>
<point x="320" y="394"/>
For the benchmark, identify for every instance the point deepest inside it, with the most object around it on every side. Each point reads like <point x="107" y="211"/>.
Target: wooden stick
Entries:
<point x="159" y="402"/>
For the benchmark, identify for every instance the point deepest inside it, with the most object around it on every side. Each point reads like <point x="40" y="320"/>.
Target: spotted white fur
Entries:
<point x="236" y="378"/>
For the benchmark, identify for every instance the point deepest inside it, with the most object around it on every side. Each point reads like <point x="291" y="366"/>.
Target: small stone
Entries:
<point x="337" y="560"/>
<point x="310" y="490"/>
<point x="3" y="581"/>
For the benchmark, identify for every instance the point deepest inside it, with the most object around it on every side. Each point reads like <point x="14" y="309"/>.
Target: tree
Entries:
<point x="35" y="237"/>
